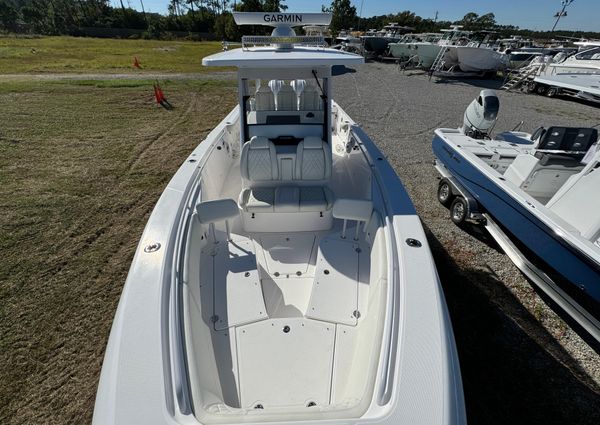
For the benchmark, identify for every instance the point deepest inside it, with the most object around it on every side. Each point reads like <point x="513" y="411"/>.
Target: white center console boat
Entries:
<point x="284" y="275"/>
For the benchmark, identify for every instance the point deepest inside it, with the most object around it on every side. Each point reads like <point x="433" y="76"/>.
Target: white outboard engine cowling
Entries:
<point x="481" y="115"/>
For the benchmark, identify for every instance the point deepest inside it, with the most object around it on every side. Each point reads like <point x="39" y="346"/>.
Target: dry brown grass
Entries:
<point x="81" y="166"/>
<point x="88" y="54"/>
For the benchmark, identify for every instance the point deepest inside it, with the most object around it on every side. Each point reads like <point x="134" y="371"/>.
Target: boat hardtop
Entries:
<point x="284" y="275"/>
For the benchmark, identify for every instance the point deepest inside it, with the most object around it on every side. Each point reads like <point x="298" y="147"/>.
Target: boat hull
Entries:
<point x="377" y="45"/>
<point x="400" y="50"/>
<point x="571" y="269"/>
<point x="426" y="52"/>
<point x="477" y="59"/>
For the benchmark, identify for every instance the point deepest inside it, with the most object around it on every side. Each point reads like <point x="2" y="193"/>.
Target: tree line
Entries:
<point x="345" y="17"/>
<point x="68" y="17"/>
<point x="59" y="17"/>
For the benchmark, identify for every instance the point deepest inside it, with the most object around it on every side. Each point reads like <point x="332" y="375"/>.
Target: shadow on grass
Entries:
<point x="513" y="370"/>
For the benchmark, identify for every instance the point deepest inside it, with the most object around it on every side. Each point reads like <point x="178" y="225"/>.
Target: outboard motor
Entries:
<point x="481" y="115"/>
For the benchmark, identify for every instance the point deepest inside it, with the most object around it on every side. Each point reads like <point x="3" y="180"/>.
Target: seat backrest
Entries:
<point x="264" y="99"/>
<point x="258" y="161"/>
<point x="313" y="160"/>
<point x="286" y="99"/>
<point x="569" y="139"/>
<point x="579" y="204"/>
<point x="310" y="99"/>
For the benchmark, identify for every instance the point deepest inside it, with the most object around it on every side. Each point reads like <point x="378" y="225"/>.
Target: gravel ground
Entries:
<point x="520" y="362"/>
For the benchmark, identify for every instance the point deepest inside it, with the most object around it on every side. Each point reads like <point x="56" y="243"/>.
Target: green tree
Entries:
<point x="472" y="21"/>
<point x="9" y="15"/>
<point x="487" y="21"/>
<point x="469" y="20"/>
<point x="344" y="15"/>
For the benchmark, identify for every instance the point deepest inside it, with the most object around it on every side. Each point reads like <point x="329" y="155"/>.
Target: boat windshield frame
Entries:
<point x="316" y="75"/>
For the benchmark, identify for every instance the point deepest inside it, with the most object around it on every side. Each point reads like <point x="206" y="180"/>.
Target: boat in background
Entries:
<point x="536" y="195"/>
<point x="347" y="42"/>
<point x="479" y="55"/>
<point x="403" y="49"/>
<point x="428" y="51"/>
<point x="284" y="275"/>
<point x="577" y="75"/>
<point x="375" y="43"/>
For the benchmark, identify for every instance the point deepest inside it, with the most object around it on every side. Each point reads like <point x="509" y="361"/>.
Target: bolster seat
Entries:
<point x="304" y="191"/>
<point x="258" y="165"/>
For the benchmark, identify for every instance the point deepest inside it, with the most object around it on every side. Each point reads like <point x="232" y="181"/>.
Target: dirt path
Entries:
<point x="222" y="75"/>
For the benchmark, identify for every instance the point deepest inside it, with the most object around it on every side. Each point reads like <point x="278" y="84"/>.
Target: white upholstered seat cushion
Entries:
<point x="286" y="99"/>
<point x="258" y="161"/>
<point x="287" y="199"/>
<point x="258" y="199"/>
<point x="313" y="159"/>
<point x="315" y="198"/>
<point x="264" y="99"/>
<point x="353" y="209"/>
<point x="217" y="210"/>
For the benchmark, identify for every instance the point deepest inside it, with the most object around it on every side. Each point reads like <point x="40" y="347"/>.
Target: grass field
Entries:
<point x="79" y="54"/>
<point x="81" y="166"/>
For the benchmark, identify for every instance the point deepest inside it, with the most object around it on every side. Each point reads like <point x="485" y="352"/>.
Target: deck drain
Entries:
<point x="298" y="273"/>
<point x="311" y="404"/>
<point x="413" y="242"/>
<point x="286" y="329"/>
<point x="259" y="406"/>
<point x="247" y="274"/>
<point x="276" y="274"/>
<point x="356" y="314"/>
<point x="326" y="271"/>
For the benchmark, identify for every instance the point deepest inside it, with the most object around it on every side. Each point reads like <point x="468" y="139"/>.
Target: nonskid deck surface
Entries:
<point x="285" y="310"/>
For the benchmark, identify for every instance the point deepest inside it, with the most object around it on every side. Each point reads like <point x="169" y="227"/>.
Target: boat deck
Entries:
<point x="285" y="314"/>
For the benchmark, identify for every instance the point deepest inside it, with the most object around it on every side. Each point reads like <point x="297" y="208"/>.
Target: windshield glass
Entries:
<point x="592" y="54"/>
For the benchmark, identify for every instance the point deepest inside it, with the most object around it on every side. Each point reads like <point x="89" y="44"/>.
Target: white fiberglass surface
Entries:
<point x="558" y="183"/>
<point x="283" y="325"/>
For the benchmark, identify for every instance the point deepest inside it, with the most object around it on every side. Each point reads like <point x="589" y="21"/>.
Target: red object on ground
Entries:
<point x="158" y="94"/>
<point x="160" y="97"/>
<point x="136" y="63"/>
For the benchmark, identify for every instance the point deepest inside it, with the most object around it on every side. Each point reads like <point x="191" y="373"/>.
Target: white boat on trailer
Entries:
<point x="536" y="194"/>
<point x="284" y="275"/>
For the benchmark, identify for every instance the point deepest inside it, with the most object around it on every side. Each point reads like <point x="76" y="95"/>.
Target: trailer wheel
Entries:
<point x="530" y="87"/>
<point x="444" y="193"/>
<point x="459" y="210"/>
<point x="552" y="91"/>
<point x="541" y="89"/>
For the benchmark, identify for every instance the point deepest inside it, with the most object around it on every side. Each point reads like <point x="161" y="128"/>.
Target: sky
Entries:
<point x="582" y="15"/>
